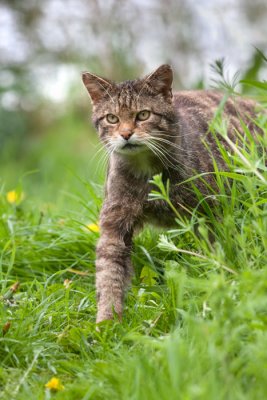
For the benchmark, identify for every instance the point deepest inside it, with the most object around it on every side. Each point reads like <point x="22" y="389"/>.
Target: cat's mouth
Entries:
<point x="131" y="148"/>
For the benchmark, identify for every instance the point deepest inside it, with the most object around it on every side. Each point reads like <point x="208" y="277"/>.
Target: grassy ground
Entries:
<point x="195" y="324"/>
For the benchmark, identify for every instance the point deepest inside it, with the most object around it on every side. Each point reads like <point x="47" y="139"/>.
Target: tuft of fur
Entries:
<point x="169" y="141"/>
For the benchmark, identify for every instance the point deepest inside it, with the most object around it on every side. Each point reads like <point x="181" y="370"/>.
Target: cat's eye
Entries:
<point x="112" y="119"/>
<point x="143" y="115"/>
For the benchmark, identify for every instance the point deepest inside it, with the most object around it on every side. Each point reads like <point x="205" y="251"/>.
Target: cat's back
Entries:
<point x="197" y="99"/>
<point x="198" y="107"/>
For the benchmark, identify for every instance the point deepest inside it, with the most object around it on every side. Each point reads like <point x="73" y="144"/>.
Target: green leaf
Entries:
<point x="148" y="276"/>
<point x="259" y="85"/>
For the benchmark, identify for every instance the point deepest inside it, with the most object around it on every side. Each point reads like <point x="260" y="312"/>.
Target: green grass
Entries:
<point x="195" y="322"/>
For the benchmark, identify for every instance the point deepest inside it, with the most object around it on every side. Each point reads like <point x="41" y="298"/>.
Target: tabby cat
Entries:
<point x="147" y="130"/>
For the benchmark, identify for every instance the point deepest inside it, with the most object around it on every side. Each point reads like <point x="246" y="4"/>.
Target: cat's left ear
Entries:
<point x="161" y="80"/>
<point x="96" y="86"/>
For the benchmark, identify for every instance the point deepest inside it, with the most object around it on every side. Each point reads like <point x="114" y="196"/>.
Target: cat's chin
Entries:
<point x="131" y="149"/>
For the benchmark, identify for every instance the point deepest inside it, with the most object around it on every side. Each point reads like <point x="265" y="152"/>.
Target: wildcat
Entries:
<point x="147" y="129"/>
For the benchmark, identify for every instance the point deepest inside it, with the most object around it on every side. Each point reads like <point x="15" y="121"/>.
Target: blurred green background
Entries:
<point x="47" y="143"/>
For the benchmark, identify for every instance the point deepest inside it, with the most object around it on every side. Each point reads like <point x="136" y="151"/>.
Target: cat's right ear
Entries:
<point x="96" y="86"/>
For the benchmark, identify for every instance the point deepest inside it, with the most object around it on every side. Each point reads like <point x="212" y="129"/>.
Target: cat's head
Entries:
<point x="131" y="115"/>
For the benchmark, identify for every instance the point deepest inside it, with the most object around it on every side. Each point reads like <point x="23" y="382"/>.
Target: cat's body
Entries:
<point x="147" y="131"/>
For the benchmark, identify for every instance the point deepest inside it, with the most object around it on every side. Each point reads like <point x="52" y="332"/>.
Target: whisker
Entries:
<point x="102" y="162"/>
<point x="156" y="138"/>
<point x="161" y="150"/>
<point x="169" y="156"/>
<point x="108" y="149"/>
<point x="155" y="152"/>
<point x="175" y="145"/>
<point x="101" y="148"/>
<point x="159" y="146"/>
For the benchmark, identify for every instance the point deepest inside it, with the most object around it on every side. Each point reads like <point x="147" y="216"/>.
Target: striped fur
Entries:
<point x="168" y="142"/>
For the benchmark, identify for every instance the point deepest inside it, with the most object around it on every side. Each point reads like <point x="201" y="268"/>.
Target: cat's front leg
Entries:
<point x="120" y="216"/>
<point x="113" y="271"/>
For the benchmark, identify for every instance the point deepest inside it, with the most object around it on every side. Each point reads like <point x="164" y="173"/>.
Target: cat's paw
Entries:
<point x="107" y="314"/>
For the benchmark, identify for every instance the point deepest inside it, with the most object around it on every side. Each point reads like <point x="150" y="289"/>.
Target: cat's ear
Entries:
<point x="161" y="80"/>
<point x="96" y="86"/>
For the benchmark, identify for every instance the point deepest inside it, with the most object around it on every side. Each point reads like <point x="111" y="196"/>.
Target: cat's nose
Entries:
<point x="126" y="133"/>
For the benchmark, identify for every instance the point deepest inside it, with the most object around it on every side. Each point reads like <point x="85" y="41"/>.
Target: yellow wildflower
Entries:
<point x="14" y="197"/>
<point x="54" y="384"/>
<point x="93" y="227"/>
<point x="67" y="283"/>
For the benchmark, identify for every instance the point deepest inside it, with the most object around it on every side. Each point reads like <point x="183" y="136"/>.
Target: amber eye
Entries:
<point x="143" y="115"/>
<point x="112" y="119"/>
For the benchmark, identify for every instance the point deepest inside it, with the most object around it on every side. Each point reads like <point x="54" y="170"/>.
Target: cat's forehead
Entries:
<point x="128" y="96"/>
